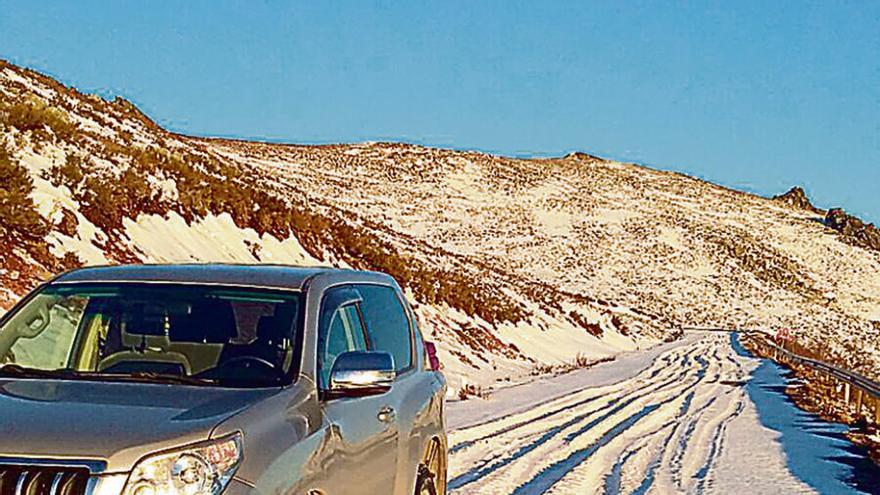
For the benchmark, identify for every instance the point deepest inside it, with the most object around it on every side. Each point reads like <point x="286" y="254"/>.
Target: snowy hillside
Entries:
<point x="513" y="264"/>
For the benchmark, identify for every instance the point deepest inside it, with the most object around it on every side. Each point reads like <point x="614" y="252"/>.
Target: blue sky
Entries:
<point x="754" y="95"/>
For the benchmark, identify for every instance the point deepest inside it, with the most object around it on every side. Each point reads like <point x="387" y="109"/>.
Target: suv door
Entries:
<point x="362" y="437"/>
<point x="390" y="329"/>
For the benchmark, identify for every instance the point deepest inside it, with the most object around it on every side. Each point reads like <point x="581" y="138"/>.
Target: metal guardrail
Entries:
<point x="862" y="384"/>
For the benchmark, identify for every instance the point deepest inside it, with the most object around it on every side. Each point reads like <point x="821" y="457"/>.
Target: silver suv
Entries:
<point x="208" y="379"/>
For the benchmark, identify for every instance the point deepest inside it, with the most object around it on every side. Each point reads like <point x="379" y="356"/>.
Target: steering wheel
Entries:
<point x="249" y="359"/>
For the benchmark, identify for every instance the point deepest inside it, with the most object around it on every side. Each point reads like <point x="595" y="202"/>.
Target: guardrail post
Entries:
<point x="877" y="410"/>
<point x="859" y="398"/>
<point x="846" y="393"/>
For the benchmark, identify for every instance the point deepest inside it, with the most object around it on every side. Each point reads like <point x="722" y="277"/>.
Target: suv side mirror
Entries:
<point x="361" y="373"/>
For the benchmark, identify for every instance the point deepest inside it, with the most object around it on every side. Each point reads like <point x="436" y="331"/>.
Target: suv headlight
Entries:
<point x="201" y="469"/>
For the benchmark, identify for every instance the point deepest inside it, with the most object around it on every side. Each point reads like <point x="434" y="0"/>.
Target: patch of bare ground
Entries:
<point x="820" y="394"/>
<point x="580" y="362"/>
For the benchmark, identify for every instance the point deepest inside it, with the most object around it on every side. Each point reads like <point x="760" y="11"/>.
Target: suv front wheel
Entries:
<point x="431" y="477"/>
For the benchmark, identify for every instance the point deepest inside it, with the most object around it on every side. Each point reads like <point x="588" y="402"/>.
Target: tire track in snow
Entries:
<point x="558" y="407"/>
<point x="715" y="450"/>
<point x="555" y="472"/>
<point x="612" y="407"/>
<point x="616" y="404"/>
<point x="623" y="438"/>
<point x="507" y="429"/>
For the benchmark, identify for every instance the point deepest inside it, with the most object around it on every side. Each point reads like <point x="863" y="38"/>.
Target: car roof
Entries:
<point x="264" y="276"/>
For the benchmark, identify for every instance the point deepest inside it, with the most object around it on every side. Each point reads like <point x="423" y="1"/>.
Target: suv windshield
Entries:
<point x="167" y="333"/>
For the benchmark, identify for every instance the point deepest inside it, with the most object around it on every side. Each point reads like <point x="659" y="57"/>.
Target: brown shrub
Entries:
<point x="592" y="328"/>
<point x="70" y="173"/>
<point x="69" y="261"/>
<point x="19" y="219"/>
<point x="467" y="391"/>
<point x="34" y="114"/>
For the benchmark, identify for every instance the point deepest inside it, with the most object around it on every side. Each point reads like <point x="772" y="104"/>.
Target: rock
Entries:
<point x="797" y="197"/>
<point x="853" y="230"/>
<point x="580" y="155"/>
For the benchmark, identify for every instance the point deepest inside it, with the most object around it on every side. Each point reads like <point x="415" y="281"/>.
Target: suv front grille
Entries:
<point x="42" y="480"/>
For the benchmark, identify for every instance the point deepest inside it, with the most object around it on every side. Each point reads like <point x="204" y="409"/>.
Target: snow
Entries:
<point x="52" y="201"/>
<point x="516" y="399"/>
<point x="555" y="222"/>
<point x="91" y="126"/>
<point x="212" y="238"/>
<point x="559" y="343"/>
<point x="30" y="84"/>
<point x="671" y="420"/>
<point x="746" y="438"/>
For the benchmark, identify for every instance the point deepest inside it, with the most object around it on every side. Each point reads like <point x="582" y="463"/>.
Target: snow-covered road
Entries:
<point x="682" y="423"/>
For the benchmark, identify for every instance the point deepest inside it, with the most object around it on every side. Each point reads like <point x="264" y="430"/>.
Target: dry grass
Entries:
<point x="578" y="363"/>
<point x="469" y="390"/>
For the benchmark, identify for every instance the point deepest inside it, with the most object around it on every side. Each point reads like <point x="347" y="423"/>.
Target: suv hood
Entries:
<point x="113" y="423"/>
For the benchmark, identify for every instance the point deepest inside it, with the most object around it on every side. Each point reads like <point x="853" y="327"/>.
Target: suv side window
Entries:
<point x="340" y="330"/>
<point x="418" y="338"/>
<point x="388" y="326"/>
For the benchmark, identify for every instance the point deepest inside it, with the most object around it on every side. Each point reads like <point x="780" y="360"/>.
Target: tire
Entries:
<point x="431" y="477"/>
<point x="425" y="483"/>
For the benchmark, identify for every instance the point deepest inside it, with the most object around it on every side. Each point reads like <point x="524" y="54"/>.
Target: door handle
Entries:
<point x="386" y="414"/>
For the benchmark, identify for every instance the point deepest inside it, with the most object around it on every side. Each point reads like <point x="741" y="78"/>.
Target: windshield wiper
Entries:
<point x="18" y="371"/>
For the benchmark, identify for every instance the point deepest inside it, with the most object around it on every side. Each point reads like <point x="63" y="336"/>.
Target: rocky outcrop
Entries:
<point x="853" y="230"/>
<point x="797" y="197"/>
<point x="580" y="155"/>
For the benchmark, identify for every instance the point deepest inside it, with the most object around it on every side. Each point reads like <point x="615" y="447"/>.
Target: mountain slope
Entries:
<point x="513" y="264"/>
